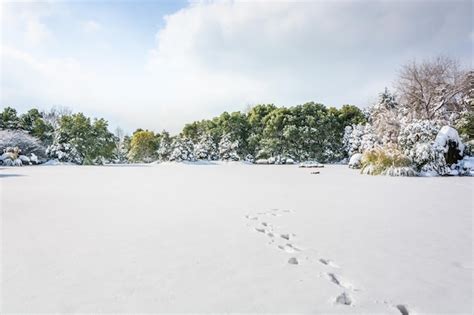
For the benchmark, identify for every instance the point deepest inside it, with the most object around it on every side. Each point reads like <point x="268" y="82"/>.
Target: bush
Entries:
<point x="21" y="139"/>
<point x="386" y="161"/>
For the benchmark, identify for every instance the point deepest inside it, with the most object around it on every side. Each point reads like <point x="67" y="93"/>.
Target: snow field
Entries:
<point x="233" y="237"/>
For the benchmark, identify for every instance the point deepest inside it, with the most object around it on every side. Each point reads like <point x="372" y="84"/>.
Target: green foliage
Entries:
<point x="92" y="140"/>
<point x="465" y="126"/>
<point x="308" y="131"/>
<point x="33" y="122"/>
<point x="9" y="119"/>
<point x="143" y="146"/>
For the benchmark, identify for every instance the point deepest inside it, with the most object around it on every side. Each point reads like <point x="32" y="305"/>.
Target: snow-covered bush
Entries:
<point x="465" y="166"/>
<point x="64" y="152"/>
<point x="26" y="143"/>
<point x="416" y="132"/>
<point x="448" y="139"/>
<point x="206" y="148"/>
<point x="428" y="158"/>
<point x="386" y="161"/>
<point x="355" y="161"/>
<point x="11" y="157"/>
<point x="359" y="138"/>
<point x="249" y="158"/>
<point x="228" y="149"/>
<point x="182" y="150"/>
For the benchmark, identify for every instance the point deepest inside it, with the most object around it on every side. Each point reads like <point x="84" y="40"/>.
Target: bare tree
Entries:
<point x="54" y="115"/>
<point x="433" y="89"/>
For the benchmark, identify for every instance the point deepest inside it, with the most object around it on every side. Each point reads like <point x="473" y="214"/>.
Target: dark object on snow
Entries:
<point x="315" y="173"/>
<point x="293" y="261"/>
<point x="448" y="139"/>
<point x="452" y="155"/>
<point x="311" y="165"/>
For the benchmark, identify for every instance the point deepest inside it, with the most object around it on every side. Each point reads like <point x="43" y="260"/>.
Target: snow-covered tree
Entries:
<point x="182" y="150"/>
<point x="143" y="146"/>
<point x="385" y="117"/>
<point x="228" y="148"/>
<point x="434" y="89"/>
<point x="64" y="152"/>
<point x="359" y="138"/>
<point x="165" y="146"/>
<point x="206" y="148"/>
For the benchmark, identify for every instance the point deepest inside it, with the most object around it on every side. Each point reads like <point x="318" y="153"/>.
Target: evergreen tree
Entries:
<point x="9" y="119"/>
<point x="228" y="149"/>
<point x="182" y="150"/>
<point x="206" y="148"/>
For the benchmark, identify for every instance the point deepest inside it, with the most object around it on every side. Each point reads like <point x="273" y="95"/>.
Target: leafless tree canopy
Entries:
<point x="55" y="113"/>
<point x="433" y="89"/>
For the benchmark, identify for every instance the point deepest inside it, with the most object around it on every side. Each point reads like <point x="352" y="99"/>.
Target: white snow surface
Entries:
<point x="232" y="237"/>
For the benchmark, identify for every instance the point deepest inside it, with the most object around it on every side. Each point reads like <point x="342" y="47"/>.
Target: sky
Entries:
<point x="161" y="64"/>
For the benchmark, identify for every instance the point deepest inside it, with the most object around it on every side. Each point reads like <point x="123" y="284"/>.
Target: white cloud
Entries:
<point x="26" y="19"/>
<point x="235" y="53"/>
<point x="210" y="57"/>
<point x="91" y="26"/>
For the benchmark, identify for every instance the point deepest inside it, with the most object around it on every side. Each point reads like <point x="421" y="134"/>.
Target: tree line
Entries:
<point x="436" y="91"/>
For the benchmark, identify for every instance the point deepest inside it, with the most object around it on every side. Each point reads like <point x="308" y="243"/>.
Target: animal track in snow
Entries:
<point x="337" y="280"/>
<point x="286" y="248"/>
<point x="343" y="299"/>
<point x="293" y="261"/>
<point x="260" y="230"/>
<point x="328" y="262"/>
<point x="251" y="217"/>
<point x="285" y="236"/>
<point x="403" y="309"/>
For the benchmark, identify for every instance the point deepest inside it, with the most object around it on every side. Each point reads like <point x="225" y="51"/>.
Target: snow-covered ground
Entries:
<point x="234" y="238"/>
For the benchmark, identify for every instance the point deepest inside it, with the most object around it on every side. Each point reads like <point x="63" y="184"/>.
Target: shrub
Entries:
<point x="21" y="139"/>
<point x="386" y="161"/>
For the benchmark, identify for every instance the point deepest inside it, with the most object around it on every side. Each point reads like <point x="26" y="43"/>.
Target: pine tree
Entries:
<point x="206" y="148"/>
<point x="228" y="149"/>
<point x="182" y="150"/>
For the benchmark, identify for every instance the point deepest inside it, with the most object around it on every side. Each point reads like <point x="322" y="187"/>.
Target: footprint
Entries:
<point x="328" y="262"/>
<point x="337" y="280"/>
<point x="285" y="236"/>
<point x="270" y="234"/>
<point x="251" y="217"/>
<point x="343" y="299"/>
<point x="403" y="309"/>
<point x="286" y="248"/>
<point x="293" y="261"/>
<point x="266" y="224"/>
<point x="294" y="247"/>
<point x="260" y="230"/>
